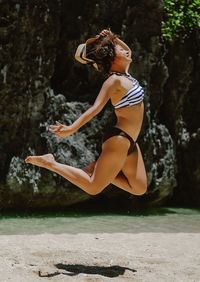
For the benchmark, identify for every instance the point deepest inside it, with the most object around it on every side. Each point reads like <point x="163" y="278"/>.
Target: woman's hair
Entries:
<point x="102" y="51"/>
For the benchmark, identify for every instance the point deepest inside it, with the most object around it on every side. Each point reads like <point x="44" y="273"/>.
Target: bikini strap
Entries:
<point x="127" y="75"/>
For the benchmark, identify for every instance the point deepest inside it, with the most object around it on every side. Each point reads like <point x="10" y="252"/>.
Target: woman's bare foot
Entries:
<point x="42" y="161"/>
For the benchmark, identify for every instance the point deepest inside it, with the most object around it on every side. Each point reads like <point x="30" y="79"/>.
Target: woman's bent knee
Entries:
<point x="94" y="190"/>
<point x="139" y="189"/>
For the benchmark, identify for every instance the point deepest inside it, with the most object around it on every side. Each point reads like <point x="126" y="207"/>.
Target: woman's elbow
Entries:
<point x="96" y="109"/>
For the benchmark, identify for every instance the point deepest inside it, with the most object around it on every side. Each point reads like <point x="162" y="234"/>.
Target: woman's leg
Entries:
<point x="132" y="177"/>
<point x="135" y="172"/>
<point x="120" y="180"/>
<point x="109" y="164"/>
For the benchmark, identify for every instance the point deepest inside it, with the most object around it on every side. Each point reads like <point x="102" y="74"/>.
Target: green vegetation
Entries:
<point x="181" y="18"/>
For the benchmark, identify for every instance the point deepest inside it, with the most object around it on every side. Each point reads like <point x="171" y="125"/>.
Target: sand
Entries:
<point x="144" y="257"/>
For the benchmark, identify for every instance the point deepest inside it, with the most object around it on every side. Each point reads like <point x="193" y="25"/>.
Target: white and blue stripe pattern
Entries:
<point x="133" y="97"/>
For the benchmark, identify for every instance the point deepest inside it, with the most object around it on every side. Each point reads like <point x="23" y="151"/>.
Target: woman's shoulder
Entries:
<point x="112" y="83"/>
<point x="113" y="79"/>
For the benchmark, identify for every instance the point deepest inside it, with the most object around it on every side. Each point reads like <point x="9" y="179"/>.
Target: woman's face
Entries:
<point x="122" y="54"/>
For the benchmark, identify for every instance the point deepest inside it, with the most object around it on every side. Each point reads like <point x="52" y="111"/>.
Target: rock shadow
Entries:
<point x="75" y="269"/>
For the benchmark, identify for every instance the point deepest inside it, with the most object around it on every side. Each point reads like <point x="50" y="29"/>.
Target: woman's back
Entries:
<point x="130" y="119"/>
<point x="127" y="101"/>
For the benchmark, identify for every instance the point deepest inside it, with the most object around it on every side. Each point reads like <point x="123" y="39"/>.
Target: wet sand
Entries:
<point x="136" y="257"/>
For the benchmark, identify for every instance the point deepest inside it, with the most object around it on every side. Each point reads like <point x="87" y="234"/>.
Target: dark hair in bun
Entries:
<point x="102" y="51"/>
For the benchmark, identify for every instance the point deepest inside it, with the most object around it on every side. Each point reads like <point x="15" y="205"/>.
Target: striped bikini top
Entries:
<point x="134" y="96"/>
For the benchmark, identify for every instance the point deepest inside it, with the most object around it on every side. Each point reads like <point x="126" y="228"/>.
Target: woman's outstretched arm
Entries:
<point x="108" y="87"/>
<point x="98" y="105"/>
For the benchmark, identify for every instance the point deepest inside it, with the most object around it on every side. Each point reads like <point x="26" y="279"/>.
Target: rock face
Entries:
<point x="40" y="83"/>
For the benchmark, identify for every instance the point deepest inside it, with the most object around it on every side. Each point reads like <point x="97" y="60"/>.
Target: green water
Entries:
<point x="171" y="220"/>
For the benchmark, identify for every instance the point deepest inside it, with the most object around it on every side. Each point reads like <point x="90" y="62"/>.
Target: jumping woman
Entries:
<point x="120" y="161"/>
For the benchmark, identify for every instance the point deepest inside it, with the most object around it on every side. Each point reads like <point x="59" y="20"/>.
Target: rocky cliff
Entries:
<point x="40" y="83"/>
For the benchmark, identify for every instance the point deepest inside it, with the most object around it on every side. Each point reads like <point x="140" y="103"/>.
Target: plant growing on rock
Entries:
<point x="181" y="17"/>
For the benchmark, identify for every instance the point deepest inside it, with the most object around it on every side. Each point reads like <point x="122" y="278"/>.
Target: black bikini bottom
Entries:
<point x="113" y="131"/>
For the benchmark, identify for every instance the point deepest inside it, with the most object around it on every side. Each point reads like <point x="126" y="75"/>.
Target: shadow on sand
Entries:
<point x="75" y="269"/>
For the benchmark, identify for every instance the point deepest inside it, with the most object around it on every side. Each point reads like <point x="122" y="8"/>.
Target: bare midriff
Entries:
<point x="130" y="119"/>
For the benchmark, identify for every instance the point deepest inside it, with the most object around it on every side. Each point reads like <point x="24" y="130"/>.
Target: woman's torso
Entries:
<point x="129" y="118"/>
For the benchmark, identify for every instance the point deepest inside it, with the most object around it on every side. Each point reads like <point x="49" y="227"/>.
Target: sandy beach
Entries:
<point x="141" y="257"/>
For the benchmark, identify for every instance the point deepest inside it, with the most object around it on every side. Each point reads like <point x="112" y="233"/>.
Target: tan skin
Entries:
<point x="113" y="165"/>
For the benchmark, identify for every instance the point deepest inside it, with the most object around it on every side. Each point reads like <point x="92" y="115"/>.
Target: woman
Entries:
<point x="120" y="161"/>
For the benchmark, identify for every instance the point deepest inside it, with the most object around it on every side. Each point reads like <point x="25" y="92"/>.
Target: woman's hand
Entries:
<point x="61" y="130"/>
<point x="107" y="32"/>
